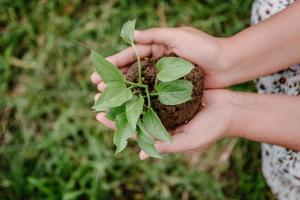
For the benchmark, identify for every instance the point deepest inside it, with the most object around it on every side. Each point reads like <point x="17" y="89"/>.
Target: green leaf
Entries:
<point x="122" y="133"/>
<point x="108" y="72"/>
<point x="114" y="95"/>
<point x="174" y="92"/>
<point x="146" y="136"/>
<point x="134" y="109"/>
<point x="113" y="112"/>
<point x="155" y="127"/>
<point x="128" y="31"/>
<point x="148" y="148"/>
<point x="172" y="68"/>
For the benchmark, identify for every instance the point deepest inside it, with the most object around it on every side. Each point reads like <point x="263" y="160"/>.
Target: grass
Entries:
<point x="51" y="145"/>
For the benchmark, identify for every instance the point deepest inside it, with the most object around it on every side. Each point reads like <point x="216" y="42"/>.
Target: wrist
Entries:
<point x="228" y="109"/>
<point x="226" y="62"/>
<point x="237" y="114"/>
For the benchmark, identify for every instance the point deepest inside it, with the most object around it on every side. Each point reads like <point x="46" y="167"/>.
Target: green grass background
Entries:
<point x="51" y="145"/>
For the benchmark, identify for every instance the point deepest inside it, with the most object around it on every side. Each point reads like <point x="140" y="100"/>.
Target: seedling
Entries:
<point x="128" y="103"/>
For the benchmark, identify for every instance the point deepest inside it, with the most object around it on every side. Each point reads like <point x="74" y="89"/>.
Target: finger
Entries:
<point x="96" y="97"/>
<point x="189" y="29"/>
<point x="101" y="117"/>
<point x="198" y="150"/>
<point x="124" y="70"/>
<point x="181" y="142"/>
<point x="133" y="137"/>
<point x="159" y="50"/>
<point x="166" y="36"/>
<point x="101" y="86"/>
<point x="128" y="56"/>
<point x="95" y="78"/>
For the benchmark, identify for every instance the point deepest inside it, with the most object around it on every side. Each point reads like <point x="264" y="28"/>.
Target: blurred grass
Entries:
<point x="51" y="146"/>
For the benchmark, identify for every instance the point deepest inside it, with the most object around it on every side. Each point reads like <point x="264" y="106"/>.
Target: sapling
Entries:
<point x="128" y="103"/>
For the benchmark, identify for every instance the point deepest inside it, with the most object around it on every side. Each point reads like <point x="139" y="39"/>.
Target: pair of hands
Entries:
<point x="215" y="119"/>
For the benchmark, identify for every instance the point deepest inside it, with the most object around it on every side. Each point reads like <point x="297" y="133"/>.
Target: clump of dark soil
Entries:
<point x="171" y="116"/>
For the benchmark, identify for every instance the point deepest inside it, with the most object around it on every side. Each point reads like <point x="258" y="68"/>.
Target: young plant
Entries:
<point x="128" y="104"/>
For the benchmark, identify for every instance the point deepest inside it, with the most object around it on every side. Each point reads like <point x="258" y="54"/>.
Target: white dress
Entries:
<point x="281" y="166"/>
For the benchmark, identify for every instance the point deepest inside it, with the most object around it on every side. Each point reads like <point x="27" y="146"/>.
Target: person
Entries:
<point x="270" y="50"/>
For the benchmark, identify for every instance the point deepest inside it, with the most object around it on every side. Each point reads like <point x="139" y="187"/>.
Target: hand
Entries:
<point x="214" y="122"/>
<point x="186" y="42"/>
<point x="191" y="44"/>
<point x="200" y="49"/>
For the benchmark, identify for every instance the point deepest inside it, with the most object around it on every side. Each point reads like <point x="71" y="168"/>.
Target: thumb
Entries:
<point x="181" y="142"/>
<point x="165" y="36"/>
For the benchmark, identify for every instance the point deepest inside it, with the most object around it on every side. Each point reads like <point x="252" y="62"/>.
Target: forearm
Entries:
<point x="267" y="47"/>
<point x="273" y="119"/>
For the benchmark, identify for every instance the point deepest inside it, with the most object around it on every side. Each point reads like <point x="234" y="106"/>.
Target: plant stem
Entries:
<point x="139" y="64"/>
<point x="155" y="83"/>
<point x="148" y="96"/>
<point x="136" y="84"/>
<point x="153" y="94"/>
<point x="133" y="85"/>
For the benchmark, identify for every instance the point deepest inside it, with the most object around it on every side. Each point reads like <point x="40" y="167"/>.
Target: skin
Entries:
<point x="270" y="46"/>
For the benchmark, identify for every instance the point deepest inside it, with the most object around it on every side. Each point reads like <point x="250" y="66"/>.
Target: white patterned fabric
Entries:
<point x="281" y="166"/>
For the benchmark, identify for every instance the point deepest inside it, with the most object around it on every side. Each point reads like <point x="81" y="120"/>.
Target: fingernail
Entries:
<point x="143" y="155"/>
<point x="109" y="58"/>
<point x="96" y="97"/>
<point x="101" y="86"/>
<point x="98" y="116"/>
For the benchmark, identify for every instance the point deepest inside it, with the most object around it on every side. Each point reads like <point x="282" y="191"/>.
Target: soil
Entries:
<point x="171" y="116"/>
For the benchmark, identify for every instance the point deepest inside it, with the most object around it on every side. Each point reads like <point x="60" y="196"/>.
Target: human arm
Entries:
<point x="273" y="119"/>
<point x="269" y="46"/>
<point x="259" y="50"/>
